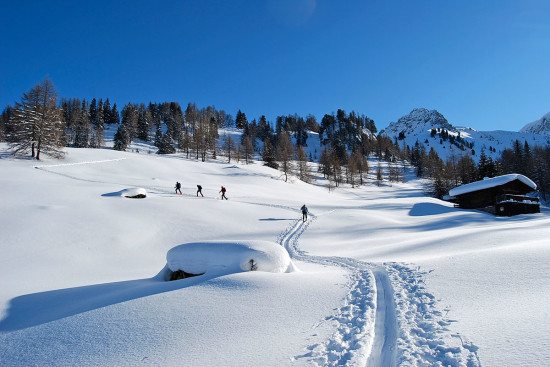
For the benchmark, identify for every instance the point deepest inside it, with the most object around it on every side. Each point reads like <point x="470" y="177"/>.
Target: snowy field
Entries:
<point x="378" y="276"/>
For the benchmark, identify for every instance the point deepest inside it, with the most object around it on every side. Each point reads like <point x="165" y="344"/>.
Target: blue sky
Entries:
<point x="484" y="64"/>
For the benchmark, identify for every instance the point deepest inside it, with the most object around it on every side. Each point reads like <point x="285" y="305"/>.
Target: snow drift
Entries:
<point x="134" y="193"/>
<point x="227" y="257"/>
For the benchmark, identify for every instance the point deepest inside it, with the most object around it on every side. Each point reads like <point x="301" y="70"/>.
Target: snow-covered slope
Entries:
<point x="386" y="276"/>
<point x="418" y="125"/>
<point x="540" y="126"/>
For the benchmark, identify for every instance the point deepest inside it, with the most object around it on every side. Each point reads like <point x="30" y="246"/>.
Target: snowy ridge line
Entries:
<point x="424" y="338"/>
<point x="352" y="341"/>
<point x="79" y="163"/>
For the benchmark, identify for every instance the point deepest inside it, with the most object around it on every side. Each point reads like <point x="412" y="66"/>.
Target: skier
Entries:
<point x="199" y="190"/>
<point x="304" y="212"/>
<point x="178" y="188"/>
<point x="223" y="190"/>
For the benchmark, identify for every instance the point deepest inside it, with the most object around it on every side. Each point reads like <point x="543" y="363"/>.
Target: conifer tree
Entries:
<point x="268" y="155"/>
<point x="143" y="123"/>
<point x="121" y="138"/>
<point x="240" y="120"/>
<point x="107" y="112"/>
<point x="37" y="124"/>
<point x="115" y="118"/>
<point x="82" y="128"/>
<point x="166" y="146"/>
<point x="248" y="149"/>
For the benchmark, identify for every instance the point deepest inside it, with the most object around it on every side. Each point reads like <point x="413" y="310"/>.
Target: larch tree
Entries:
<point x="248" y="149"/>
<point x="379" y="176"/>
<point x="303" y="168"/>
<point x="37" y="123"/>
<point x="284" y="153"/>
<point x="229" y="146"/>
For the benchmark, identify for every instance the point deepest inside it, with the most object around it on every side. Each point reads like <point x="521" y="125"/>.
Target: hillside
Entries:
<point x="451" y="140"/>
<point x="384" y="275"/>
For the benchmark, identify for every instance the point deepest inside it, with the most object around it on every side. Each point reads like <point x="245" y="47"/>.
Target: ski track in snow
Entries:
<point x="79" y="163"/>
<point x="425" y="339"/>
<point x="351" y="344"/>
<point x="387" y="319"/>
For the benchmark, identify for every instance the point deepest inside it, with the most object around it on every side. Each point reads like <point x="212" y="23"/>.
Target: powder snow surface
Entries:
<point x="387" y="275"/>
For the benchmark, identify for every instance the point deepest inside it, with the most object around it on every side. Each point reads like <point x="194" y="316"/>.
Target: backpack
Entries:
<point x="199" y="187"/>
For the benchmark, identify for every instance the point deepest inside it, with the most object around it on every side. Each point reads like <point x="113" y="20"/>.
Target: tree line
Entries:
<point x="446" y="174"/>
<point x="38" y="124"/>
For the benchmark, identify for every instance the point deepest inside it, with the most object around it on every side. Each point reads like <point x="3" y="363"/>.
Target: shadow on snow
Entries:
<point x="39" y="308"/>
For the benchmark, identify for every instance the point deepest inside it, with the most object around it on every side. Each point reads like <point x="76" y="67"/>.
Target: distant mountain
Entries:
<point x="431" y="128"/>
<point x="541" y="126"/>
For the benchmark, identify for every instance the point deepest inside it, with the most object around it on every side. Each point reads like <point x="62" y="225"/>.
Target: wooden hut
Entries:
<point x="503" y="195"/>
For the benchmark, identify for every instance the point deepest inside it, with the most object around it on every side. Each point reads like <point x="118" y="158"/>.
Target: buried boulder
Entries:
<point x="134" y="193"/>
<point x="225" y="257"/>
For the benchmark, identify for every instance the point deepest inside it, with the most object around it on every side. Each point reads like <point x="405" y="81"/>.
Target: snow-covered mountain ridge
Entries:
<point x="540" y="126"/>
<point x="431" y="128"/>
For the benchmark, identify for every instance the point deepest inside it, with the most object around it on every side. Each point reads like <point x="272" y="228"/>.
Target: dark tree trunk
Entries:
<point x="38" y="151"/>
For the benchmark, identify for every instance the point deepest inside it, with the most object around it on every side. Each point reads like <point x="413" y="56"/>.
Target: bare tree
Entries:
<point x="379" y="176"/>
<point x="303" y="169"/>
<point x="37" y="123"/>
<point x="229" y="146"/>
<point x="248" y="149"/>
<point x="284" y="153"/>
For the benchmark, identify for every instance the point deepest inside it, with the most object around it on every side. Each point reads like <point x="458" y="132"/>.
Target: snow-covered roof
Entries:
<point x="491" y="182"/>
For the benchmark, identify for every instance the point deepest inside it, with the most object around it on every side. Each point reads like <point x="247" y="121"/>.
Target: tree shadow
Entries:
<point x="39" y="308"/>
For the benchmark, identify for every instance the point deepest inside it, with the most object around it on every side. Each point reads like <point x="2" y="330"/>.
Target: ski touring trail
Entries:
<point x="387" y="319"/>
<point x="354" y="338"/>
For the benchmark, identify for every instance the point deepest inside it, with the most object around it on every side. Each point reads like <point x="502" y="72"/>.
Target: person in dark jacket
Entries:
<point x="199" y="190"/>
<point x="178" y="188"/>
<point x="304" y="212"/>
<point x="223" y="190"/>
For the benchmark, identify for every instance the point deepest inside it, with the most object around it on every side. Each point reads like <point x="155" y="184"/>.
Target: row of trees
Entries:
<point x="39" y="124"/>
<point x="458" y="170"/>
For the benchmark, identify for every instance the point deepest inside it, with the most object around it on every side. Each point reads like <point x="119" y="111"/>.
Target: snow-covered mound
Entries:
<point x="229" y="257"/>
<point x="491" y="182"/>
<point x="134" y="193"/>
<point x="541" y="126"/>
